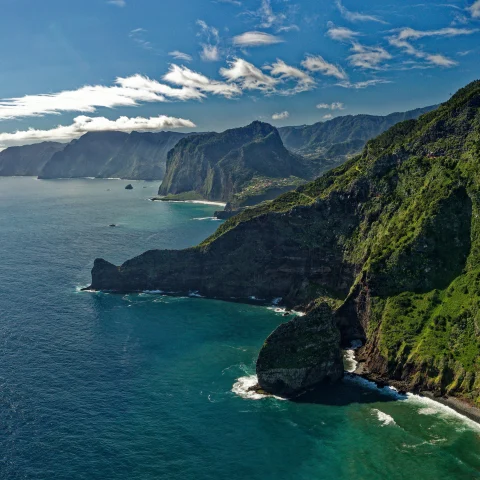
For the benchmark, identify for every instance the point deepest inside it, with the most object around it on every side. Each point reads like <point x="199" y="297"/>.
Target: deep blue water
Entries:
<point x="98" y="386"/>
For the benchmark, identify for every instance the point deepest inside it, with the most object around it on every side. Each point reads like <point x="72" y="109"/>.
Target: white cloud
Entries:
<point x="188" y="78"/>
<point x="319" y="64"/>
<point x="256" y="39"/>
<point x="180" y="56"/>
<point x="340" y="34"/>
<point x="138" y="36"/>
<point x="475" y="9"/>
<point x="410" y="33"/>
<point x="286" y="72"/>
<point x="231" y="2"/>
<point x="368" y="57"/>
<point x="363" y="84"/>
<point x="84" y="124"/>
<point x="328" y="116"/>
<point x="267" y="18"/>
<point x="127" y="92"/>
<point x="434" y="59"/>
<point x="210" y="53"/>
<point x="249" y="76"/>
<point x="280" y="116"/>
<point x="331" y="106"/>
<point x="356" y="16"/>
<point x="118" y="3"/>
<point x="210" y="47"/>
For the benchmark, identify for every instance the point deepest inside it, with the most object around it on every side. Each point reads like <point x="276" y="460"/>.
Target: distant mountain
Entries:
<point x="135" y="155"/>
<point x="334" y="141"/>
<point x="242" y="166"/>
<point x="27" y="160"/>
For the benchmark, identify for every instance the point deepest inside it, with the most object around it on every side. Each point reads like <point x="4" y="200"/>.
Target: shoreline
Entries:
<point x="200" y="202"/>
<point x="460" y="406"/>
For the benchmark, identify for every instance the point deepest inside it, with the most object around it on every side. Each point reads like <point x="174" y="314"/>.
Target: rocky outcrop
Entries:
<point x="27" y="160"/>
<point x="301" y="354"/>
<point x="243" y="166"/>
<point x="136" y="156"/>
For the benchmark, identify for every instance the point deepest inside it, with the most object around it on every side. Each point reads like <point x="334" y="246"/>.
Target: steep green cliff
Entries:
<point x="390" y="241"/>
<point x="136" y="155"/>
<point x="242" y="166"/>
<point x="27" y="160"/>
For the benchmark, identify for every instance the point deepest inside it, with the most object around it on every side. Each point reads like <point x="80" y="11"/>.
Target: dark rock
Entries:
<point x="129" y="187"/>
<point x="301" y="354"/>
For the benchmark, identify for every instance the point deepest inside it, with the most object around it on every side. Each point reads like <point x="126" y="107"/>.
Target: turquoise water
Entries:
<point x="97" y="386"/>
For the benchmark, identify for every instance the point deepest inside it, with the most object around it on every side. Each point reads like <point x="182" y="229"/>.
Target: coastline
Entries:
<point x="201" y="202"/>
<point x="458" y="405"/>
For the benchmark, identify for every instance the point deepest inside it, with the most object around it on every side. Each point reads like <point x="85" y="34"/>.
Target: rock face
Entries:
<point x="301" y="354"/>
<point x="389" y="240"/>
<point x="336" y="140"/>
<point x="27" y="160"/>
<point x="235" y="166"/>
<point x="136" y="156"/>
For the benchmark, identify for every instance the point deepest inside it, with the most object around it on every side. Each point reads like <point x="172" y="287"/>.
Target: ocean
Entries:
<point x="142" y="386"/>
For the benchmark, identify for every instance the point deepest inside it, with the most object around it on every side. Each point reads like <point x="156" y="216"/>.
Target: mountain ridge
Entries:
<point x="388" y="245"/>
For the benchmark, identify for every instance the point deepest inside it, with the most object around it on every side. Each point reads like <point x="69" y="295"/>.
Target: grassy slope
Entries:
<point x="421" y="176"/>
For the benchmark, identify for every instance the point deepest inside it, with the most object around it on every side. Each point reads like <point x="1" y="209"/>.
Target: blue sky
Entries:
<point x="211" y="65"/>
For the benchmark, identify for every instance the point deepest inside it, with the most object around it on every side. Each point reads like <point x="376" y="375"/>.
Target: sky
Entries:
<point x="69" y="67"/>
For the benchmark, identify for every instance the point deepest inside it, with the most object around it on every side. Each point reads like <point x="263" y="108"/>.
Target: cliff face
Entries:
<point x="334" y="141"/>
<point x="390" y="241"/>
<point x="136" y="155"/>
<point x="242" y="162"/>
<point x="27" y="160"/>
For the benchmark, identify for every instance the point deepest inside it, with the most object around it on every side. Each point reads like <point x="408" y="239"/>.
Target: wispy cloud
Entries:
<point x="341" y="34"/>
<point x="126" y="92"/>
<point x="256" y="39"/>
<point x="356" y="16"/>
<point x="180" y="56"/>
<point x="84" y="124"/>
<point x="280" y="116"/>
<point x="405" y="36"/>
<point x="210" y="47"/>
<point x="328" y="116"/>
<point x="434" y="59"/>
<point x="268" y="18"/>
<point x="192" y="80"/>
<point x="138" y="36"/>
<point x="304" y="81"/>
<point x="368" y="57"/>
<point x="231" y="2"/>
<point x="474" y="9"/>
<point x="363" y="84"/>
<point x="117" y="3"/>
<point x="331" y="106"/>
<point x="249" y="76"/>
<point x="411" y="34"/>
<point x="316" y="63"/>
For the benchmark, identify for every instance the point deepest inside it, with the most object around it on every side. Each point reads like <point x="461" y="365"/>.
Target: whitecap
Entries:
<point x="213" y="219"/>
<point x="428" y="406"/>
<point x="153" y="292"/>
<point x="243" y="388"/>
<point x="384" y="418"/>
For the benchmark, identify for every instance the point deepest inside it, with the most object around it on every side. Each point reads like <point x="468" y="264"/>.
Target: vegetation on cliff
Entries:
<point x="392" y="238"/>
<point x="242" y="166"/>
<point x="334" y="141"/>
